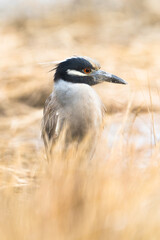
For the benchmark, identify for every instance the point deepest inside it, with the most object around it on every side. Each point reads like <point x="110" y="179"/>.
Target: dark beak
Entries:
<point x="102" y="76"/>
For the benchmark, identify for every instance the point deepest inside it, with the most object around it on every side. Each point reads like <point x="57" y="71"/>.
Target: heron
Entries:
<point x="73" y="103"/>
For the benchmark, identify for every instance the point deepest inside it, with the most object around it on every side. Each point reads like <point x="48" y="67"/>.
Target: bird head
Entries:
<point x="83" y="70"/>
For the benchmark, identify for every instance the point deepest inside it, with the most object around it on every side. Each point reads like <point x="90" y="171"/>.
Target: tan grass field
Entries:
<point x="117" y="194"/>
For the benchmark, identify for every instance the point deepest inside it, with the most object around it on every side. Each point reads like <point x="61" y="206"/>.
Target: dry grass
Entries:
<point x="116" y="195"/>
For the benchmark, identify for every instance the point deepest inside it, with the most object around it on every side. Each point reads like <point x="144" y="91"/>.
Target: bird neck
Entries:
<point x="68" y="93"/>
<point x="62" y="85"/>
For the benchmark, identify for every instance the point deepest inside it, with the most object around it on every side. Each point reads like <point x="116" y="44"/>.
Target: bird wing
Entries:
<point x="51" y="123"/>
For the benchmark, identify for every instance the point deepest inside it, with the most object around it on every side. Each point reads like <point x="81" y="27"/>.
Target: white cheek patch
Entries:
<point x="75" y="73"/>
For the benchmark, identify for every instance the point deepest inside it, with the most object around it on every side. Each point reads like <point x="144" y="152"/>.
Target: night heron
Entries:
<point x="73" y="102"/>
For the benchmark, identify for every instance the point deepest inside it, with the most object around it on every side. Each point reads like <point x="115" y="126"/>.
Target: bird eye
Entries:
<point x="87" y="70"/>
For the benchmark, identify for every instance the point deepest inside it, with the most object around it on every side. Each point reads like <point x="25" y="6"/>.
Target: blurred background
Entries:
<point x="124" y="36"/>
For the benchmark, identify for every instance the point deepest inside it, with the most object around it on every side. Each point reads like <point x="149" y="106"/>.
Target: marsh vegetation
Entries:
<point x="117" y="195"/>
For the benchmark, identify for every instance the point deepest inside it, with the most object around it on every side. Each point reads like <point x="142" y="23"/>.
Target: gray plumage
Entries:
<point x="74" y="103"/>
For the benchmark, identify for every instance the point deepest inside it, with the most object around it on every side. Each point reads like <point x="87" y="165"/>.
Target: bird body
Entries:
<point x="80" y="107"/>
<point x="74" y="103"/>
